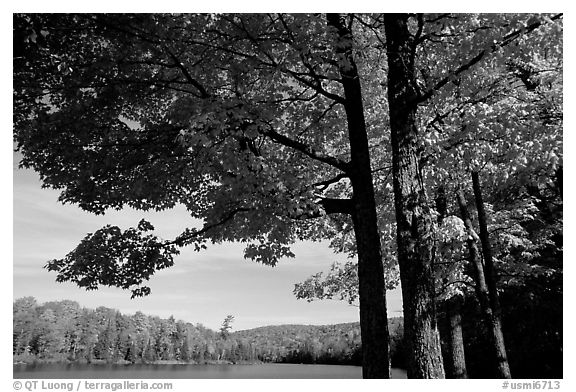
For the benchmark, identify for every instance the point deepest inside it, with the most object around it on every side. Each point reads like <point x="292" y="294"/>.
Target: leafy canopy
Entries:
<point x="237" y="117"/>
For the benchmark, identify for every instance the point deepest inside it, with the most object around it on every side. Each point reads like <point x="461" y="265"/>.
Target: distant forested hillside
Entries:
<point x="64" y="331"/>
<point x="329" y="344"/>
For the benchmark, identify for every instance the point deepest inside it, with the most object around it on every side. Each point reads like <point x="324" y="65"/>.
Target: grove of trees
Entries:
<point x="378" y="132"/>
<point x="64" y="332"/>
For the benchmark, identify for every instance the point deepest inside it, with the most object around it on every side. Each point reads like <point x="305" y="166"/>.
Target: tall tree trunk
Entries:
<point x="441" y="204"/>
<point x="414" y="220"/>
<point x="559" y="181"/>
<point x="503" y="370"/>
<point x="372" y="294"/>
<point x="493" y="326"/>
<point x="456" y="361"/>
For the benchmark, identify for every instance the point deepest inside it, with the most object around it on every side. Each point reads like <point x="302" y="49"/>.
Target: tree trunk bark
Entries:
<point x="414" y="220"/>
<point x="456" y="361"/>
<point x="559" y="181"/>
<point x="503" y="370"/>
<point x="493" y="326"/>
<point x="372" y="294"/>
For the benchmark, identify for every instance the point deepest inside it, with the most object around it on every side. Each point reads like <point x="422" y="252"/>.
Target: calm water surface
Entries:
<point x="191" y="371"/>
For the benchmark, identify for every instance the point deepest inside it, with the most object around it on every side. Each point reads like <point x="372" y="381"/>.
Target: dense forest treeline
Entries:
<point x="64" y="331"/>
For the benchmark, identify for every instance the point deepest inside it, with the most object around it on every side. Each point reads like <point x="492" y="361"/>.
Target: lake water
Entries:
<point x="281" y="371"/>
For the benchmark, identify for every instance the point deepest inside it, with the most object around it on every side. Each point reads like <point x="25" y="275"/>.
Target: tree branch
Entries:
<point x="189" y="78"/>
<point x="305" y="149"/>
<point x="445" y="286"/>
<point x="337" y="206"/>
<point x="190" y="234"/>
<point x="324" y="184"/>
<point x="315" y="86"/>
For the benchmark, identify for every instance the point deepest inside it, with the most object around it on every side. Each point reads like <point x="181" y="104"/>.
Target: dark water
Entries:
<point x="191" y="371"/>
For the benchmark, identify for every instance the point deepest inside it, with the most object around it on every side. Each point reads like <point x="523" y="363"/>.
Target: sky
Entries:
<point x="202" y="287"/>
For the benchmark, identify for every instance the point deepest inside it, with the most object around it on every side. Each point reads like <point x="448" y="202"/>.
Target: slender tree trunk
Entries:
<point x="493" y="326"/>
<point x="441" y="204"/>
<point x="372" y="294"/>
<point x="503" y="370"/>
<point x="414" y="220"/>
<point x="456" y="361"/>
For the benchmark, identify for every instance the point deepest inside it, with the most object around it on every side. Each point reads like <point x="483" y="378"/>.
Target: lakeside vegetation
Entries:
<point x="65" y="332"/>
